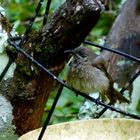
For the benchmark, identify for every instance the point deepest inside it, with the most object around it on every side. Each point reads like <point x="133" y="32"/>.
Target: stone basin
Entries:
<point x="95" y="129"/>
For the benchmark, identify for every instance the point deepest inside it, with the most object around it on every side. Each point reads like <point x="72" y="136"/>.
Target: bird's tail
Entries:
<point x="120" y="97"/>
<point x="114" y="95"/>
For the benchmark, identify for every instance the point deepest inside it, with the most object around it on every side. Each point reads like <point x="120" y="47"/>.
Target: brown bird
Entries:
<point x="87" y="73"/>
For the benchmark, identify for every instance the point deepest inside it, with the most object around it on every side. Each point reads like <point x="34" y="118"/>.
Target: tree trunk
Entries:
<point x="29" y="89"/>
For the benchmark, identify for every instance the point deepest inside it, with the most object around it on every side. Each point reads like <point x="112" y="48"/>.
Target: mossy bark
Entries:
<point x="30" y="87"/>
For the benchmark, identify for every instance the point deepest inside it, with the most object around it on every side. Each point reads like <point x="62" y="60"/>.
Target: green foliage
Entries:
<point x="19" y="13"/>
<point x="103" y="26"/>
<point x="67" y="107"/>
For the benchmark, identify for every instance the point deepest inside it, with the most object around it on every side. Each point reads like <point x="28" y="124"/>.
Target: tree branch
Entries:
<point x="29" y="89"/>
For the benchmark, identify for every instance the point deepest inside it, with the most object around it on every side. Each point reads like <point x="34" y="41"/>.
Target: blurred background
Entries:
<point x="19" y="13"/>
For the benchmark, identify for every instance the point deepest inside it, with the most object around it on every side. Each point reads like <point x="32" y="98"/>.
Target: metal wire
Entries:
<point x="7" y="67"/>
<point x="46" y="12"/>
<point x="20" y="50"/>
<point x="63" y="84"/>
<point x="112" y="50"/>
<point x="23" y="39"/>
<point x="120" y="53"/>
<point x="50" y="113"/>
<point x="28" y="29"/>
<point x="122" y="91"/>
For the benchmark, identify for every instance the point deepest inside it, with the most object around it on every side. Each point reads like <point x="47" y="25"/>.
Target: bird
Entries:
<point x="87" y="73"/>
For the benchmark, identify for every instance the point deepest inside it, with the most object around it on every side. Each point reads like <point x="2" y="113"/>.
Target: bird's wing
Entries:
<point x="99" y="63"/>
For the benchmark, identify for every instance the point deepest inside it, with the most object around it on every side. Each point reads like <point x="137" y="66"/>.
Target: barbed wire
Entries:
<point x="27" y="56"/>
<point x="12" y="42"/>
